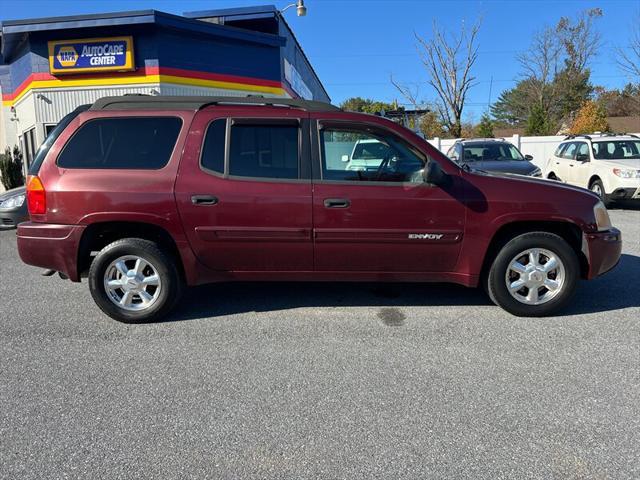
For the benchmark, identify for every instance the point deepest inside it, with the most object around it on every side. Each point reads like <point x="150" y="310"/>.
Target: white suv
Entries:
<point x="608" y="165"/>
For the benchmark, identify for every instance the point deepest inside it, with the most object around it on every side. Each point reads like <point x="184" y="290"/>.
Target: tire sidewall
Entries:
<point x="497" y="285"/>
<point x="149" y="251"/>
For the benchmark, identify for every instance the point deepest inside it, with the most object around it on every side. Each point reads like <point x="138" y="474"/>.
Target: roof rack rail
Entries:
<point x="155" y="102"/>
<point x="569" y="137"/>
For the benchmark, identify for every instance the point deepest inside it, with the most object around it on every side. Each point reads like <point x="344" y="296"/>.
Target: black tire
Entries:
<point x="165" y="268"/>
<point x="497" y="287"/>
<point x="603" y="196"/>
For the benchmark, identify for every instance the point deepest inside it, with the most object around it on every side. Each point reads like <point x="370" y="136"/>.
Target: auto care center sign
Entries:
<point x="91" y="55"/>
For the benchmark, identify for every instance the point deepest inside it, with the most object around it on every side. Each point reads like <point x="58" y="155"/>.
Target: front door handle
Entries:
<point x="337" y="203"/>
<point x="204" y="199"/>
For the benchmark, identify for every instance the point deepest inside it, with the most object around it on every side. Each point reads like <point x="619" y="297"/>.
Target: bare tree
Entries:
<point x="410" y="93"/>
<point x="448" y="60"/>
<point x="628" y="59"/>
<point x="540" y="62"/>
<point x="580" y="39"/>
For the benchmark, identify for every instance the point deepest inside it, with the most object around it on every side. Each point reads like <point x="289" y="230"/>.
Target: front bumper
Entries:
<point x="625" y="194"/>
<point x="603" y="250"/>
<point x="51" y="246"/>
<point x="10" y="218"/>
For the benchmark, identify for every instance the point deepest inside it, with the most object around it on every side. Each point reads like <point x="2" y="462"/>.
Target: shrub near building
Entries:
<point x="11" y="168"/>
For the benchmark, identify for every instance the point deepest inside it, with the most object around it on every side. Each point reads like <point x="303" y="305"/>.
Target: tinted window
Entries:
<point x="387" y="159"/>
<point x="127" y="143"/>
<point x="616" y="149"/>
<point x="213" y="149"/>
<point x="264" y="151"/>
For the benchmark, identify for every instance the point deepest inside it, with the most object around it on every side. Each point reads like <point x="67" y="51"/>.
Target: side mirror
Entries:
<point x="345" y="158"/>
<point x="434" y="174"/>
<point x="582" y="157"/>
<point x="528" y="157"/>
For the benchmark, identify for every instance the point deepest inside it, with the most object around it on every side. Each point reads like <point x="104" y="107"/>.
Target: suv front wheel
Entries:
<point x="134" y="281"/>
<point x="534" y="275"/>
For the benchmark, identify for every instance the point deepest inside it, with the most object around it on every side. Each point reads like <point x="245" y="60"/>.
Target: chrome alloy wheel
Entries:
<point x="535" y="276"/>
<point x="132" y="283"/>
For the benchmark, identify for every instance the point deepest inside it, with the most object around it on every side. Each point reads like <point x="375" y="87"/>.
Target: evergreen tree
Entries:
<point x="485" y="127"/>
<point x="538" y="122"/>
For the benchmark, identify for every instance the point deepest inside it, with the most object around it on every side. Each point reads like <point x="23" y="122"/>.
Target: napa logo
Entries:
<point x="67" y="56"/>
<point x="91" y="55"/>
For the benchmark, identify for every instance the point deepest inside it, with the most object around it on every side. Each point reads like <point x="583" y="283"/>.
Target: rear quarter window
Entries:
<point x="142" y="143"/>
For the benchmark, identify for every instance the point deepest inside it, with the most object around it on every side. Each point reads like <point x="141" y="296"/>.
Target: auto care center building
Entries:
<point x="49" y="66"/>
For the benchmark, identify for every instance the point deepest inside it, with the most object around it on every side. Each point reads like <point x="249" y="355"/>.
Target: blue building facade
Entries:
<point x="49" y="66"/>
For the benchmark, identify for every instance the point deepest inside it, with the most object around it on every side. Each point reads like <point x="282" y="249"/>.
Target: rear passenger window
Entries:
<point x="264" y="151"/>
<point x="213" y="149"/>
<point x="122" y="143"/>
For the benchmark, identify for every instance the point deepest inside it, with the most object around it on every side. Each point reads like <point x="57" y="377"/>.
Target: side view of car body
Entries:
<point x="174" y="191"/>
<point x="492" y="155"/>
<point x="13" y="208"/>
<point x="608" y="165"/>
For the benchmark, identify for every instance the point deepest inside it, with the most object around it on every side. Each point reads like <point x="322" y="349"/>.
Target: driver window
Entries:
<point x="583" y="149"/>
<point x="569" y="152"/>
<point x="352" y="155"/>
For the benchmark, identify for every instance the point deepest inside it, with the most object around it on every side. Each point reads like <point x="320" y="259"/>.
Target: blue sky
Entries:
<point x="356" y="45"/>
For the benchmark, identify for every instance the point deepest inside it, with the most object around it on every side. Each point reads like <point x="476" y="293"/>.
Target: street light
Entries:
<point x="300" y="8"/>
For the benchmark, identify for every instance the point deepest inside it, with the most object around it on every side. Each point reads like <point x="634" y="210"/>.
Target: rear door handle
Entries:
<point x="204" y="199"/>
<point x="336" y="203"/>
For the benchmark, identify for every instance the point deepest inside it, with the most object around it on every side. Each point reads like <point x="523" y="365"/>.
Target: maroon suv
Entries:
<point x="143" y="195"/>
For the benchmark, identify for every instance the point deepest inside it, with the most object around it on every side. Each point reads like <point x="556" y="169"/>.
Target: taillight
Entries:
<point x="36" y="196"/>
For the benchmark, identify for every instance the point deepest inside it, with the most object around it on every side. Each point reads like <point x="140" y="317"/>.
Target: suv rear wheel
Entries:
<point x="133" y="281"/>
<point x="534" y="275"/>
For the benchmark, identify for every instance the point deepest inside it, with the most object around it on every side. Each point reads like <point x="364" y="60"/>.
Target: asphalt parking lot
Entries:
<point x="321" y="381"/>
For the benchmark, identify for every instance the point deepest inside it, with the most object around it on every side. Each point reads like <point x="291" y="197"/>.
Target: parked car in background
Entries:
<point x="367" y="154"/>
<point x="142" y="195"/>
<point x="492" y="155"/>
<point x="608" y="165"/>
<point x="13" y="208"/>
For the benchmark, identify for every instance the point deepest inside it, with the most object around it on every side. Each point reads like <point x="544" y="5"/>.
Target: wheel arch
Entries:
<point x="98" y="235"/>
<point x="593" y="178"/>
<point x="569" y="231"/>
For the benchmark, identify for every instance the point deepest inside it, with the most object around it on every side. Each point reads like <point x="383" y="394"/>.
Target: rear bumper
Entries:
<point x="603" y="251"/>
<point x="50" y="246"/>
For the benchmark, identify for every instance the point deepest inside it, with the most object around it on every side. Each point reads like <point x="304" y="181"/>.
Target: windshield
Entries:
<point x="491" y="152"/>
<point x="616" y="149"/>
<point x="52" y="137"/>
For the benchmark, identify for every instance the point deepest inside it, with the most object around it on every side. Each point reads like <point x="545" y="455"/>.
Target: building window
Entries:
<point x="29" y="146"/>
<point x="48" y="129"/>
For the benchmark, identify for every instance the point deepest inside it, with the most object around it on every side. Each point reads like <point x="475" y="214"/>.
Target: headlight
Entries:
<point x="626" y="173"/>
<point x="12" y="202"/>
<point x="535" y="173"/>
<point x="602" y="217"/>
